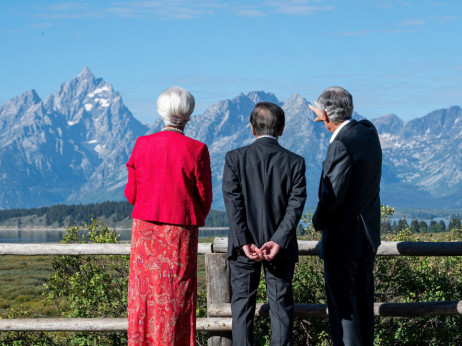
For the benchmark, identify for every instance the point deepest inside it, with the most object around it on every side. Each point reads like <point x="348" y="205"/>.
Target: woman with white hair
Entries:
<point x="170" y="186"/>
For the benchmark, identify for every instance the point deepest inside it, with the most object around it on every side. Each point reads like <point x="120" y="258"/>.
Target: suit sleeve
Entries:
<point x="204" y="180"/>
<point x="334" y="184"/>
<point x="234" y="204"/>
<point x="130" y="188"/>
<point x="295" y="205"/>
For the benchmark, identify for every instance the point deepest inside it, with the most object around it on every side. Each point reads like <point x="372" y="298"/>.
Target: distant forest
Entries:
<point x="416" y="226"/>
<point x="77" y="214"/>
<point x="74" y="215"/>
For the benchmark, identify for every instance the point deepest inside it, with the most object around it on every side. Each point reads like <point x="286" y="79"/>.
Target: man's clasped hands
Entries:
<point x="267" y="252"/>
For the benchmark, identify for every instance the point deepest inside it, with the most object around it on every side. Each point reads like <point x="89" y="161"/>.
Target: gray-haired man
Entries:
<point x="348" y="214"/>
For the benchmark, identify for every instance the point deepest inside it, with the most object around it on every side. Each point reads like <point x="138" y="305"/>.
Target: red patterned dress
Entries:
<point x="162" y="289"/>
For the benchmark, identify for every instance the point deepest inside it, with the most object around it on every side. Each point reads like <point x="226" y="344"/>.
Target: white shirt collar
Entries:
<point x="267" y="136"/>
<point x="338" y="130"/>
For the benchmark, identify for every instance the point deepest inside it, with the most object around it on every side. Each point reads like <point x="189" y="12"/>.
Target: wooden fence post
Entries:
<point x="218" y="291"/>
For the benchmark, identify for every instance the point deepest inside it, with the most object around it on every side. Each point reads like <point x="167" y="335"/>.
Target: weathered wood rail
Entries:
<point x="218" y="321"/>
<point x="220" y="244"/>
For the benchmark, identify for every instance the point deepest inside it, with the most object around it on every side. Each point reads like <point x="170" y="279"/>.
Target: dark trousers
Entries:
<point x="245" y="276"/>
<point x="350" y="299"/>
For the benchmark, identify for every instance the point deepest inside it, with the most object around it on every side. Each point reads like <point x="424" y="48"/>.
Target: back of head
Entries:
<point x="175" y="106"/>
<point x="337" y="103"/>
<point x="267" y="119"/>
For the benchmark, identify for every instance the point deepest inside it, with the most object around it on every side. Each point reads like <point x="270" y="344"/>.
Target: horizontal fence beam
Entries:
<point x="76" y="249"/>
<point x="96" y="324"/>
<point x="262" y="309"/>
<point x="420" y="248"/>
<point x="221" y="317"/>
<point x="449" y="308"/>
<point x="220" y="245"/>
<point x="387" y="248"/>
<point x="64" y="249"/>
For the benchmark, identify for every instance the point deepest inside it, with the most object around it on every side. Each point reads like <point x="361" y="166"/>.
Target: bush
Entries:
<point x="397" y="279"/>
<point x="91" y="286"/>
<point x="25" y="338"/>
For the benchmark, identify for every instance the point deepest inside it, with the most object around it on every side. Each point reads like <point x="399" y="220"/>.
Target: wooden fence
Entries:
<point x="218" y="321"/>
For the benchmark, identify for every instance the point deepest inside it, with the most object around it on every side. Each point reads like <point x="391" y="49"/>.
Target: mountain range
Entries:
<point x="72" y="147"/>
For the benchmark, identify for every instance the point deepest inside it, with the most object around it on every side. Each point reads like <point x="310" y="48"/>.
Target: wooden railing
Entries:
<point x="218" y="321"/>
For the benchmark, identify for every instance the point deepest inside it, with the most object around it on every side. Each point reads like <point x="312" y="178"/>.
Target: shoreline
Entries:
<point x="51" y="229"/>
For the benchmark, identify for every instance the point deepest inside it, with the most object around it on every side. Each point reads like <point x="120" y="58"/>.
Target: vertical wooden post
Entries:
<point x="218" y="291"/>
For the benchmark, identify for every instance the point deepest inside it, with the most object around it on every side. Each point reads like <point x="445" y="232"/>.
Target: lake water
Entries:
<point x="55" y="236"/>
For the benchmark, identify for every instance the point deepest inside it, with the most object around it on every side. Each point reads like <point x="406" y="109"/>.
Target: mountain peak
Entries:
<point x="296" y="98"/>
<point x="86" y="74"/>
<point x="262" y="96"/>
<point x="297" y="102"/>
<point x="31" y="96"/>
<point x="388" y="123"/>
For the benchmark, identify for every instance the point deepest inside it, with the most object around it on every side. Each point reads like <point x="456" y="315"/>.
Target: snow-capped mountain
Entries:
<point x="72" y="147"/>
<point x="422" y="159"/>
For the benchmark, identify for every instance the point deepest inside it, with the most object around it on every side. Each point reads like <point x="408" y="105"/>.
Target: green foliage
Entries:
<point x="397" y="279"/>
<point x="423" y="227"/>
<point x="216" y="218"/>
<point x="414" y="227"/>
<point x="418" y="279"/>
<point x="386" y="212"/>
<point x="92" y="286"/>
<point x="24" y="338"/>
<point x="454" y="224"/>
<point x="201" y="311"/>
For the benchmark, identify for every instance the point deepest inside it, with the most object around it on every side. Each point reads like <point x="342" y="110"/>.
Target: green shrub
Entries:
<point x="26" y="338"/>
<point x="93" y="286"/>
<point x="397" y="279"/>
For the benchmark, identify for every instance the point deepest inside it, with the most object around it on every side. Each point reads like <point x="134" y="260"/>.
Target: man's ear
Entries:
<point x="282" y="130"/>
<point x="326" y="118"/>
<point x="253" y="131"/>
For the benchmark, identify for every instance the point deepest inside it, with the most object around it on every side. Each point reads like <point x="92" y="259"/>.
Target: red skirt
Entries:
<point x="162" y="286"/>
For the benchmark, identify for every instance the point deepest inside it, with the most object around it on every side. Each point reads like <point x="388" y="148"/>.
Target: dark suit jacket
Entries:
<point x="349" y="202"/>
<point x="264" y="190"/>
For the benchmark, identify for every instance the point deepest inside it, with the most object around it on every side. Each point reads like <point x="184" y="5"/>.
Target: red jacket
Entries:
<point x="169" y="179"/>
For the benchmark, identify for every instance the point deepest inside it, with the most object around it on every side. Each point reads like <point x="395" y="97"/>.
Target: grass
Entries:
<point x="21" y="284"/>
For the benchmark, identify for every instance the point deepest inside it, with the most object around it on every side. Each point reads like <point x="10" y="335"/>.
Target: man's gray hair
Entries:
<point x="337" y="103"/>
<point x="175" y="106"/>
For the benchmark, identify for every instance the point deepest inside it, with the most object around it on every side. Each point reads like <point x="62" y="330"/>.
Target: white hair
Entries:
<point x="175" y="106"/>
<point x="338" y="104"/>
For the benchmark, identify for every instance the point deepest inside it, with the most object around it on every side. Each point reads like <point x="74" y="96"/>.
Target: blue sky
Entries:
<point x="402" y="57"/>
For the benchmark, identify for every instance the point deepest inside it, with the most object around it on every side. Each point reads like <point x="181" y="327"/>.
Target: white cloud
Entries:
<point x="357" y="33"/>
<point x="444" y="19"/>
<point x="176" y="9"/>
<point x="298" y="7"/>
<point x="413" y="22"/>
<point x="180" y="9"/>
<point x="247" y="11"/>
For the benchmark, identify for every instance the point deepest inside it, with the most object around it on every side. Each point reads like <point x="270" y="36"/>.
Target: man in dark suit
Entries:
<point x="348" y="214"/>
<point x="264" y="190"/>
